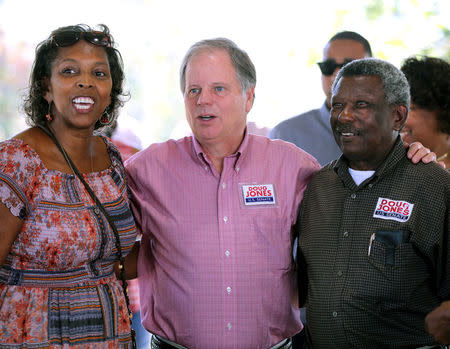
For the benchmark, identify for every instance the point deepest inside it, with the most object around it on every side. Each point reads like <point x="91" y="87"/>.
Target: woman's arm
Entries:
<point x="130" y="263"/>
<point x="9" y="229"/>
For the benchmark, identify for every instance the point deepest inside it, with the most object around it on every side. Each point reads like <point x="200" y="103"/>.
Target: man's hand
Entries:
<point x="437" y="323"/>
<point x="417" y="152"/>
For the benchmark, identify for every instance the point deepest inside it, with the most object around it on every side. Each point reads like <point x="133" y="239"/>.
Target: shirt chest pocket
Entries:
<point x="393" y="255"/>
<point x="271" y="239"/>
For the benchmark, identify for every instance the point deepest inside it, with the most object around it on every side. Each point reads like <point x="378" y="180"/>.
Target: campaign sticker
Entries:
<point x="258" y="194"/>
<point x="396" y="210"/>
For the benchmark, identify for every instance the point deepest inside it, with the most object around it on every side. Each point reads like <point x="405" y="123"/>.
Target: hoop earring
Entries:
<point x="49" y="116"/>
<point x="104" y="119"/>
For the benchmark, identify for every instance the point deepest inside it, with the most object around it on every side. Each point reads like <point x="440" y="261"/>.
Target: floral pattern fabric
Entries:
<point x="57" y="285"/>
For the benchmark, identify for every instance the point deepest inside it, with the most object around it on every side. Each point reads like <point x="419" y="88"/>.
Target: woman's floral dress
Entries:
<point x="57" y="285"/>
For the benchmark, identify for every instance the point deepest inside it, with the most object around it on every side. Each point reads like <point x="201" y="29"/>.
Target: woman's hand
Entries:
<point x="417" y="152"/>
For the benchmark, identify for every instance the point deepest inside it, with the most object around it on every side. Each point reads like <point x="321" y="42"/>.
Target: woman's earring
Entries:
<point x="49" y="116"/>
<point x="104" y="119"/>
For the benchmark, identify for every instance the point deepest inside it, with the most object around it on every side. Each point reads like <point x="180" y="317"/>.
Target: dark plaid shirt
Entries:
<point x="358" y="299"/>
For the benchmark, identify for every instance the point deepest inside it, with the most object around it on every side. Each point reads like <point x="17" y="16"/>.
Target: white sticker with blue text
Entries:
<point x="396" y="210"/>
<point x="258" y="194"/>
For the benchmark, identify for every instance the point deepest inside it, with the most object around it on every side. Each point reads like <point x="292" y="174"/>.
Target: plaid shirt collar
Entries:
<point x="398" y="152"/>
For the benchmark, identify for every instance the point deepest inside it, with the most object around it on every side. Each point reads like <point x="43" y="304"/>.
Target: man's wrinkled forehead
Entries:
<point x="358" y="86"/>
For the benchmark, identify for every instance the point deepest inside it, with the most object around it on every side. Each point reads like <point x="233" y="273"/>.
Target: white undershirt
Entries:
<point x="360" y="176"/>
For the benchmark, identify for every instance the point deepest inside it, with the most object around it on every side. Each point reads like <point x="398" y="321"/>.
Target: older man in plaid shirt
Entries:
<point x="374" y="228"/>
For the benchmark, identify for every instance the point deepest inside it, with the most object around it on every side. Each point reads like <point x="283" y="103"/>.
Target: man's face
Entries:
<point x="216" y="107"/>
<point x="340" y="50"/>
<point x="362" y="122"/>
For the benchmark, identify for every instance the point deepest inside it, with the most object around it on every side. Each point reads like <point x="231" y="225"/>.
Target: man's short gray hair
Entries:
<point x="395" y="84"/>
<point x="245" y="70"/>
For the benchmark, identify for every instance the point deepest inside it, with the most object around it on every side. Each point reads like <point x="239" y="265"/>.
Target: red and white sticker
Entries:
<point x="396" y="210"/>
<point x="258" y="194"/>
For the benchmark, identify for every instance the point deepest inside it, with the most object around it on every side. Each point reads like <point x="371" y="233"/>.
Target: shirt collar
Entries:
<point x="240" y="154"/>
<point x="397" y="153"/>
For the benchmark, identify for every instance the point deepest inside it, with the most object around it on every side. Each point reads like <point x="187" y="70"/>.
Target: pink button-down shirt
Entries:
<point x="215" y="272"/>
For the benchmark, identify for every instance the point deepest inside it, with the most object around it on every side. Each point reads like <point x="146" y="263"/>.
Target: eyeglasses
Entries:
<point x="329" y="66"/>
<point x="70" y="37"/>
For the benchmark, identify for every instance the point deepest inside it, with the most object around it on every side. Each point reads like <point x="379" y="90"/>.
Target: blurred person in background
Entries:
<point x="429" y="119"/>
<point x="124" y="137"/>
<point x="60" y="245"/>
<point x="311" y="131"/>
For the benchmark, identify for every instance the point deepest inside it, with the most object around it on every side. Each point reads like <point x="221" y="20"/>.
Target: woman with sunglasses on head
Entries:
<point x="65" y="221"/>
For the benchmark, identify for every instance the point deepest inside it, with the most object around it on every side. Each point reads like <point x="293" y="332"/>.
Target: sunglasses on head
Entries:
<point x="329" y="66"/>
<point x="70" y="37"/>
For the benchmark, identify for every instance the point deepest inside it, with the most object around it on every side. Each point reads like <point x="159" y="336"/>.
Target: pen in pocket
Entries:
<point x="372" y="237"/>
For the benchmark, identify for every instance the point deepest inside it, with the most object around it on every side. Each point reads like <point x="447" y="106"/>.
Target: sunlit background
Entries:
<point x="284" y="38"/>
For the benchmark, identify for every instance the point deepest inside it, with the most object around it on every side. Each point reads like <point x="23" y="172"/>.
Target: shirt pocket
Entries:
<point x="272" y="241"/>
<point x="396" y="265"/>
<point x="390" y="259"/>
<point x="389" y="241"/>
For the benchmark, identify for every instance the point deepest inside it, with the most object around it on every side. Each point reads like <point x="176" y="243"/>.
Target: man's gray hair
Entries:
<point x="395" y="84"/>
<point x="245" y="70"/>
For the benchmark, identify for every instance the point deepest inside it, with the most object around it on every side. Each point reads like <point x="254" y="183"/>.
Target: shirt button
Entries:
<point x="228" y="289"/>
<point x="353" y="196"/>
<point x="227" y="253"/>
<point x="370" y="185"/>
<point x="334" y="314"/>
<point x="206" y="168"/>
<point x="229" y="326"/>
<point x="96" y="210"/>
<point x="339" y="273"/>
<point x="224" y="185"/>
<point x="237" y="169"/>
<point x="225" y="219"/>
<point x="345" y="234"/>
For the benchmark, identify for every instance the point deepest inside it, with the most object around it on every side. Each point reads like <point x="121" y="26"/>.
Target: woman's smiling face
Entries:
<point x="80" y="84"/>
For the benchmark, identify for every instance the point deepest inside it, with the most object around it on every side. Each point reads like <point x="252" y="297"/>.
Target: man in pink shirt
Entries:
<point x="216" y="211"/>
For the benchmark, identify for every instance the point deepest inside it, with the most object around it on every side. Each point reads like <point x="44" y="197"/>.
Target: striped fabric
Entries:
<point x="57" y="286"/>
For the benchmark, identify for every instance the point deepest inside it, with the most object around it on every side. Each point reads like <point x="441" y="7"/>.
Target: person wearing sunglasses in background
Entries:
<point x="60" y="245"/>
<point x="311" y="131"/>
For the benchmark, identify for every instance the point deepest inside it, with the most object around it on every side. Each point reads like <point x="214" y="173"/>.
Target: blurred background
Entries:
<point x="284" y="38"/>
